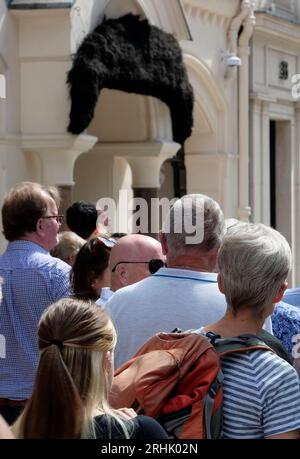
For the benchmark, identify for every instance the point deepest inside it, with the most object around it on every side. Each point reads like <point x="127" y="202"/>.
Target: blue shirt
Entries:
<point x="292" y="296"/>
<point x="32" y="280"/>
<point x="286" y="323"/>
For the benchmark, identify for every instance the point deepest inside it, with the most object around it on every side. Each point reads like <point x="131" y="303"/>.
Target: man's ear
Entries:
<point x="281" y="292"/>
<point x="39" y="228"/>
<point x="220" y="283"/>
<point x="163" y="241"/>
<point x="121" y="272"/>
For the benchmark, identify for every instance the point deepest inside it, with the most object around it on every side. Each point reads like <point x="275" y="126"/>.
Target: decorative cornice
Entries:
<point x="274" y="26"/>
<point x="205" y="15"/>
<point x="79" y="143"/>
<point x="208" y="17"/>
<point x="38" y="5"/>
<point x="10" y="140"/>
<point x="262" y="97"/>
<point x="137" y="149"/>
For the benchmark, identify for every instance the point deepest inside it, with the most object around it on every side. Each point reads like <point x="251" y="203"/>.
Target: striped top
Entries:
<point x="261" y="395"/>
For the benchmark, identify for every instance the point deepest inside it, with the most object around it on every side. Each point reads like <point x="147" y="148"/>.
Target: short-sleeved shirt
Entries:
<point x="144" y="428"/>
<point x="261" y="395"/>
<point x="32" y="280"/>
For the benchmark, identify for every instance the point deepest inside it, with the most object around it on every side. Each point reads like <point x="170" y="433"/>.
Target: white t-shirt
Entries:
<point x="106" y="294"/>
<point x="171" y="298"/>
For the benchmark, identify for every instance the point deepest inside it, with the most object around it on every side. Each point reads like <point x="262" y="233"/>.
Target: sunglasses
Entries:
<point x="59" y="218"/>
<point x="153" y="265"/>
<point x="101" y="241"/>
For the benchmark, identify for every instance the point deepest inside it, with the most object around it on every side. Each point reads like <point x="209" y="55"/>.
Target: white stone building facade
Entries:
<point x="244" y="148"/>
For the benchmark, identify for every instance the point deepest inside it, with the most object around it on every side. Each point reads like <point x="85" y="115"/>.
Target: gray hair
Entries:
<point x="195" y="222"/>
<point x="68" y="246"/>
<point x="254" y="261"/>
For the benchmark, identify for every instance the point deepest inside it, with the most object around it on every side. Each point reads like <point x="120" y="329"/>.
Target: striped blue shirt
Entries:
<point x="32" y="281"/>
<point x="261" y="395"/>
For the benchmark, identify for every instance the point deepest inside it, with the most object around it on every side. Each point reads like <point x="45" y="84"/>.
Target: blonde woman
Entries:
<point x="76" y="341"/>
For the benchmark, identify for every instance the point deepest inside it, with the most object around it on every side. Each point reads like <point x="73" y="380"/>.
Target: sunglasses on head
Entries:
<point x="101" y="241"/>
<point x="153" y="265"/>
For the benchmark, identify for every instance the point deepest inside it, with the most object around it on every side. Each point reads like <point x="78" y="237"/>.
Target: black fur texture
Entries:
<point x="130" y="55"/>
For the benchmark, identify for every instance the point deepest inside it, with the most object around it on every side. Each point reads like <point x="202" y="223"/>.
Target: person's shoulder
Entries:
<point x="286" y="316"/>
<point x="129" y="290"/>
<point x="59" y="264"/>
<point x="292" y="296"/>
<point x="149" y="428"/>
<point x="271" y="367"/>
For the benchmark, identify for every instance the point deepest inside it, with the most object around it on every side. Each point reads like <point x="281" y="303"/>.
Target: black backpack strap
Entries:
<point x="240" y="343"/>
<point x="213" y="422"/>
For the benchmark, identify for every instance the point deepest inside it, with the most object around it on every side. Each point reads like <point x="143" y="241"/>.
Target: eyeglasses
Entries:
<point x="59" y="218"/>
<point x="99" y="241"/>
<point x="153" y="265"/>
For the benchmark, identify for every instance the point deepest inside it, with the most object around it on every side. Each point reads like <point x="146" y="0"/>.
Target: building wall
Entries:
<point x="35" y="55"/>
<point x="276" y="44"/>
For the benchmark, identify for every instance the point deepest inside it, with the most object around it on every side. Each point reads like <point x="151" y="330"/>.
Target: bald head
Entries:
<point x="132" y="248"/>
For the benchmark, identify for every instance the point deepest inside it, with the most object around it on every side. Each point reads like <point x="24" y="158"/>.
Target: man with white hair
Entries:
<point x="185" y="294"/>
<point x="133" y="258"/>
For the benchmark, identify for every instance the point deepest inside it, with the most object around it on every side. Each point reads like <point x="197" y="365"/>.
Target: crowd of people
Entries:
<point x="80" y="303"/>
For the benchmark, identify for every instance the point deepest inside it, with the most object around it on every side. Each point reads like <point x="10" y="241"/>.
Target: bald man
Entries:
<point x="129" y="262"/>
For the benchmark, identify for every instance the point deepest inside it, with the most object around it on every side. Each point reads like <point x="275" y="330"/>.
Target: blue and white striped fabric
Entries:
<point x="32" y="281"/>
<point x="261" y="395"/>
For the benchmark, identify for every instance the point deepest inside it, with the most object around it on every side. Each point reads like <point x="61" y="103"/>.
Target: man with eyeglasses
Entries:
<point x="133" y="258"/>
<point x="32" y="280"/>
<point x="182" y="295"/>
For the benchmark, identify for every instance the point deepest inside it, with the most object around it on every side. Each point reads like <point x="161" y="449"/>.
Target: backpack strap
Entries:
<point x="213" y="429"/>
<point x="242" y="343"/>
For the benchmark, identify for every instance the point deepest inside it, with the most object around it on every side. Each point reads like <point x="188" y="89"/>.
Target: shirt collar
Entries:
<point x="26" y="245"/>
<point x="187" y="273"/>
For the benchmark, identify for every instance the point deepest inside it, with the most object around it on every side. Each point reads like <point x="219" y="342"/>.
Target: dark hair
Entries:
<point x="23" y="206"/>
<point x="81" y="217"/>
<point x="118" y="235"/>
<point x="91" y="262"/>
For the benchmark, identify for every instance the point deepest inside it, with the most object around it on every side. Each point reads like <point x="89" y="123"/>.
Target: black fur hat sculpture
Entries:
<point x="130" y="55"/>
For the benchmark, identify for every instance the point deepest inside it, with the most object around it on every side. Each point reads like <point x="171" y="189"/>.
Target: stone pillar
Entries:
<point x="255" y="160"/>
<point x="265" y="162"/>
<point x="147" y="194"/>
<point x="66" y="194"/>
<point x="57" y="155"/>
<point x="145" y="160"/>
<point x="146" y="182"/>
<point x="244" y="210"/>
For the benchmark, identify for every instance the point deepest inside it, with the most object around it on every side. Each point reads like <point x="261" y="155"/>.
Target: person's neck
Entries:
<point x="199" y="263"/>
<point x="244" y="322"/>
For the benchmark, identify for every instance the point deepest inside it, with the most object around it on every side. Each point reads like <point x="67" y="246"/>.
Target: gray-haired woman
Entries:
<point x="261" y="391"/>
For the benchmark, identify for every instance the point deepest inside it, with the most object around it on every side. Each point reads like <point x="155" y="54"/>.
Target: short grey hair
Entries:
<point x="200" y="209"/>
<point x="254" y="261"/>
<point x="68" y="246"/>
